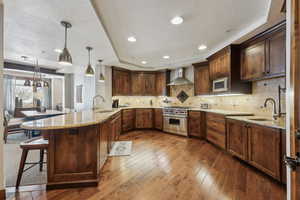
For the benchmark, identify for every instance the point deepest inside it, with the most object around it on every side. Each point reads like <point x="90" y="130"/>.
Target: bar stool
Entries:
<point x="33" y="144"/>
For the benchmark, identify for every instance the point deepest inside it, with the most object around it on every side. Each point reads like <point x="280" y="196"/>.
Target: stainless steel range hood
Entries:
<point x="180" y="78"/>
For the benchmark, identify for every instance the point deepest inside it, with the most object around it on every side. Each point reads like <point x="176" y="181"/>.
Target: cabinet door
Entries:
<point x="104" y="133"/>
<point x="149" y="84"/>
<point x="202" y="81"/>
<point x="276" y="56"/>
<point x="158" y="119"/>
<point x="264" y="149"/>
<point x="194" y="123"/>
<point x="137" y="84"/>
<point x="224" y="65"/>
<point x="121" y="83"/>
<point x="215" y="129"/>
<point x="237" y="138"/>
<point x="213" y="68"/>
<point x="127" y="120"/>
<point x="161" y="84"/>
<point x="253" y="61"/>
<point x="144" y="118"/>
<point x="118" y="124"/>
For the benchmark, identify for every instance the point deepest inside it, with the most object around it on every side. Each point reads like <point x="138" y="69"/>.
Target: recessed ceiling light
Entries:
<point x="202" y="47"/>
<point x="58" y="50"/>
<point x="131" y="39"/>
<point x="144" y="62"/>
<point x="177" y="20"/>
<point x="166" y="57"/>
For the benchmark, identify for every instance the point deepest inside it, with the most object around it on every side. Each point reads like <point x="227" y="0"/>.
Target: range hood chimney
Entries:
<point x="180" y="78"/>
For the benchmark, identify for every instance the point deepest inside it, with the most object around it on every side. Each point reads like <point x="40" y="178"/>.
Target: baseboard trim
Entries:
<point x="2" y="194"/>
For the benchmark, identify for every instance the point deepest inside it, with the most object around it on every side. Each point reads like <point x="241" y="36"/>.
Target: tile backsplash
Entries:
<point x="248" y="103"/>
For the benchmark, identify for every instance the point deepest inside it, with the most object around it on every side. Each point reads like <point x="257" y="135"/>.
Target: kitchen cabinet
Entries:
<point x="237" y="139"/>
<point x="202" y="83"/>
<point x="143" y="84"/>
<point x="264" y="149"/>
<point x="128" y="117"/>
<point x="104" y="142"/>
<point x="263" y="56"/>
<point x="158" y="119"/>
<point x="116" y="127"/>
<point x="226" y="64"/>
<point x="143" y="118"/>
<point x="162" y="80"/>
<point x="219" y="64"/>
<point x="215" y="129"/>
<point x="253" y="61"/>
<point x="196" y="124"/>
<point x="121" y="84"/>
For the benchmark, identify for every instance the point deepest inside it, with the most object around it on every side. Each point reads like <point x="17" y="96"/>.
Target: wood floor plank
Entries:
<point x="164" y="166"/>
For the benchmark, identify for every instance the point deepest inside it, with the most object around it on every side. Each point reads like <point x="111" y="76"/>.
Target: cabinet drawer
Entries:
<point x="216" y="138"/>
<point x="215" y="117"/>
<point x="217" y="126"/>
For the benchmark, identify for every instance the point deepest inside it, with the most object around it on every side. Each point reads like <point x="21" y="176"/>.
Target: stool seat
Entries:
<point x="38" y="143"/>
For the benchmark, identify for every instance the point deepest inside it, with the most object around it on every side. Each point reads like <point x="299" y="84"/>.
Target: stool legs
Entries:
<point x="21" y="166"/>
<point x="41" y="159"/>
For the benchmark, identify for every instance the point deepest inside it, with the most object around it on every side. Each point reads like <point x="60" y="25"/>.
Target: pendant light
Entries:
<point x="27" y="83"/>
<point x="101" y="76"/>
<point x="89" y="70"/>
<point x="65" y="57"/>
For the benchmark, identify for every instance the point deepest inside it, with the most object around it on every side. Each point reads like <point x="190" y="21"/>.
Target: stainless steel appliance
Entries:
<point x="220" y="85"/>
<point x="175" y="120"/>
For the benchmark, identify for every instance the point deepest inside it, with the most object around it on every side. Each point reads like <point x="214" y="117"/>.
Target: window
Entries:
<point x="24" y="92"/>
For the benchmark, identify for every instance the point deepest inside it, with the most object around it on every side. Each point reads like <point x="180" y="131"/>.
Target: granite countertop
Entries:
<point x="279" y="124"/>
<point x="223" y="112"/>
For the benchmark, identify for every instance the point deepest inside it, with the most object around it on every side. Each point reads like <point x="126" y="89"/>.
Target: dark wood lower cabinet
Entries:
<point x="260" y="146"/>
<point x="158" y="119"/>
<point x="264" y="149"/>
<point x="128" y="120"/>
<point x="105" y="130"/>
<point x="215" y="129"/>
<point x="237" y="139"/>
<point x="143" y="118"/>
<point x="116" y="128"/>
<point x="196" y="124"/>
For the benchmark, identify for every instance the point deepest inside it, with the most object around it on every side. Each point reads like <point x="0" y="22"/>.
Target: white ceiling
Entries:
<point x="33" y="26"/>
<point x="205" y="22"/>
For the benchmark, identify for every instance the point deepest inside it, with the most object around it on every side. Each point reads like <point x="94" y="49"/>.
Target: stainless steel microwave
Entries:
<point x="220" y="85"/>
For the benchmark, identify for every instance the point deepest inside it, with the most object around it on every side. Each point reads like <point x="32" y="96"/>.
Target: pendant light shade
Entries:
<point x="46" y="84"/>
<point x="65" y="57"/>
<point x="101" y="77"/>
<point x="27" y="83"/>
<point x="89" y="70"/>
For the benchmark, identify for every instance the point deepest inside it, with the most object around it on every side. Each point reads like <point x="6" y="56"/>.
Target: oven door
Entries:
<point x="220" y="85"/>
<point x="177" y="125"/>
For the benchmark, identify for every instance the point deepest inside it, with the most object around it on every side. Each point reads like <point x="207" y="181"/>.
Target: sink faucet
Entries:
<point x="94" y="100"/>
<point x="275" y="115"/>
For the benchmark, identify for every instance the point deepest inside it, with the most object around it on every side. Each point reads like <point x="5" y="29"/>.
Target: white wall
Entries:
<point x="104" y="89"/>
<point x="2" y="178"/>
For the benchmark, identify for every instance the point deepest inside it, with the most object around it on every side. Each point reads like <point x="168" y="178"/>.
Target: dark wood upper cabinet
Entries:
<point x="202" y="83"/>
<point x="253" y="61"/>
<point x="263" y="56"/>
<point x="226" y="64"/>
<point x="237" y="138"/>
<point x="158" y="119"/>
<point x="139" y="83"/>
<point x="143" y="118"/>
<point x="121" y="82"/>
<point x="149" y="84"/>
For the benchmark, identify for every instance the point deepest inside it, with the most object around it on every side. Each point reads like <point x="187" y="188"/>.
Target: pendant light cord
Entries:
<point x="66" y="28"/>
<point x="89" y="56"/>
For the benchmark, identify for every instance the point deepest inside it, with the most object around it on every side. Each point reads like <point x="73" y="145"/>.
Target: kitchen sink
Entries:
<point x="260" y="119"/>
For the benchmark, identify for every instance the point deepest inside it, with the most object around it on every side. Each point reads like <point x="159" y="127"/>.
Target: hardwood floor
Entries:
<point x="164" y="166"/>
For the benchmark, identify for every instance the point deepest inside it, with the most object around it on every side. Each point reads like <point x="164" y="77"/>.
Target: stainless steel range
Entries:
<point x="175" y="120"/>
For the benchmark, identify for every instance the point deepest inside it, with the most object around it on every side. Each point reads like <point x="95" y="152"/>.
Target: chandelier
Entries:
<point x="37" y="80"/>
